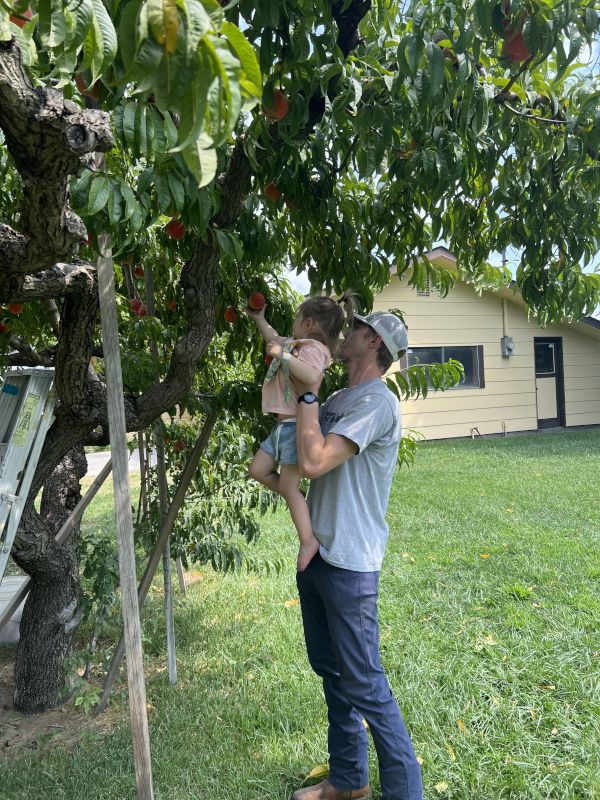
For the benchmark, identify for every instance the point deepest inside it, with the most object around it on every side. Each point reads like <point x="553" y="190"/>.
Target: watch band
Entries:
<point x="309" y="398"/>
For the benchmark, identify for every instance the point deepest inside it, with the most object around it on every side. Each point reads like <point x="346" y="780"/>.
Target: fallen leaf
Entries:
<point x="484" y="555"/>
<point x="320" y="771"/>
<point x="509" y="510"/>
<point x="554" y="731"/>
<point x="461" y="726"/>
<point x="451" y="752"/>
<point x="489" y="639"/>
<point x="420" y="760"/>
<point x="441" y="787"/>
<point x="533" y="713"/>
<point x="293" y="602"/>
<point x="548" y="686"/>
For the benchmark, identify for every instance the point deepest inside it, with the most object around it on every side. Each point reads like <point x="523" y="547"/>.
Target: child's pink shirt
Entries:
<point x="310" y="352"/>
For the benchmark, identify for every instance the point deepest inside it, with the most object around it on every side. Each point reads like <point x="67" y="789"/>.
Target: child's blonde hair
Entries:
<point x="329" y="317"/>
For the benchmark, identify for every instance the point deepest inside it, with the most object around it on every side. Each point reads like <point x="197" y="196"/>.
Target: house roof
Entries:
<point x="443" y="257"/>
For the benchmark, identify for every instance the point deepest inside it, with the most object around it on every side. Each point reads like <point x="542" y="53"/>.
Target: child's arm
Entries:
<point x="268" y="333"/>
<point x="304" y="372"/>
<point x="298" y="369"/>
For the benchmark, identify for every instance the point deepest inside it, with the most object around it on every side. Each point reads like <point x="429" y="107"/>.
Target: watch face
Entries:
<point x="308" y="397"/>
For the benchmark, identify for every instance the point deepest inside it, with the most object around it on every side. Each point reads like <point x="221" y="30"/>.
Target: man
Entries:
<point x="349" y="451"/>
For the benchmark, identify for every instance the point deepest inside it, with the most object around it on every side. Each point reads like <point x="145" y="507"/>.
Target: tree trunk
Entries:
<point x="53" y="608"/>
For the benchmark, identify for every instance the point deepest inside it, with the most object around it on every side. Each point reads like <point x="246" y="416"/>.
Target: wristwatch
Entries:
<point x="309" y="398"/>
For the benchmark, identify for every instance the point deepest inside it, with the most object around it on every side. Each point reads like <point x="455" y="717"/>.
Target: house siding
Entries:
<point x="508" y="400"/>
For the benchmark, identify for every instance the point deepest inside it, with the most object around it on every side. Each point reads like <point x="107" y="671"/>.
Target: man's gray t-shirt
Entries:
<point x="348" y="504"/>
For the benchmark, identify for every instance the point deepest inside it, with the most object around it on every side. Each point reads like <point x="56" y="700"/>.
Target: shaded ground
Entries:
<point x="21" y="734"/>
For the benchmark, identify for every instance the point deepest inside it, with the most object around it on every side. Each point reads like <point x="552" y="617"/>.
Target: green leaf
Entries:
<point x="177" y="190"/>
<point x="99" y="194"/>
<point x="100" y="45"/>
<point x="201" y="159"/>
<point x="251" y="81"/>
<point x="435" y="61"/>
<point x="129" y="115"/>
<point x="193" y="109"/>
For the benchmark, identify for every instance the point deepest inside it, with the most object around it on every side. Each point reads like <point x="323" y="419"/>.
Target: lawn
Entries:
<point x="490" y="614"/>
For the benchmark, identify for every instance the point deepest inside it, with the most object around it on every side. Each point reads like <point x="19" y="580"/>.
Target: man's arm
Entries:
<point x="318" y="454"/>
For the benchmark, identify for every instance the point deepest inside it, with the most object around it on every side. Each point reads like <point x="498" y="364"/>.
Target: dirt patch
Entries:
<point x="20" y="734"/>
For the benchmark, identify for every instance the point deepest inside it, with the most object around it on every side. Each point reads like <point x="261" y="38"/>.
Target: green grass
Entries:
<point x="489" y="613"/>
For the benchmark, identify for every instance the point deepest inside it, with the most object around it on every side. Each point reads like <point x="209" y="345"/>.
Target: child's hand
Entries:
<point x="256" y="315"/>
<point x="274" y="350"/>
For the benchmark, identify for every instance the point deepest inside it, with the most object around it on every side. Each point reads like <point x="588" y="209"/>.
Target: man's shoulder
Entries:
<point x="378" y="391"/>
<point x="374" y="392"/>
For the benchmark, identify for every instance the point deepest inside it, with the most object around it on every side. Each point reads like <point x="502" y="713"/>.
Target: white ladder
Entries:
<point x="26" y="412"/>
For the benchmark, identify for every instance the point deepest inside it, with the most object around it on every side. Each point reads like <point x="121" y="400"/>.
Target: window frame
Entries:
<point x="477" y="356"/>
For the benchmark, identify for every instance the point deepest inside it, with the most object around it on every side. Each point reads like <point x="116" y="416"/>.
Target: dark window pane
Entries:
<point x="425" y="355"/>
<point x="468" y="358"/>
<point x="544" y="358"/>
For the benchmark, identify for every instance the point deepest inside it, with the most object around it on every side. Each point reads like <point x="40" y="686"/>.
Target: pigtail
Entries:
<point x="348" y="301"/>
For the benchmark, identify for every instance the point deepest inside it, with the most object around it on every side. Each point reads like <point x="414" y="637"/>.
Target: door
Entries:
<point x="549" y="382"/>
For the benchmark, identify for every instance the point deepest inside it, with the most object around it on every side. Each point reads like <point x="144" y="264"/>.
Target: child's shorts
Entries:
<point x="280" y="444"/>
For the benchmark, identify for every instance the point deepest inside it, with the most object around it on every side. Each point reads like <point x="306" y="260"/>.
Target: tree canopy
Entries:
<point x="336" y="137"/>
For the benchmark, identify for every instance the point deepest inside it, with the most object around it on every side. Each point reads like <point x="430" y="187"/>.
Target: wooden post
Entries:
<point x="176" y="503"/>
<point x="163" y="503"/>
<point x="124" y="522"/>
<point x="180" y="576"/>
<point x="143" y="504"/>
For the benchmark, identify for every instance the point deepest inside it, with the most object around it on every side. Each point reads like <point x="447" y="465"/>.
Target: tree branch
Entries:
<point x="534" y="117"/>
<point x="499" y="98"/>
<point x="50" y="139"/>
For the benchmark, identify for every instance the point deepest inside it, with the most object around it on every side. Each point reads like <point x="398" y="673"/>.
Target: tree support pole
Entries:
<point x="163" y="504"/>
<point x="124" y="522"/>
<point x="180" y="575"/>
<point x="176" y="503"/>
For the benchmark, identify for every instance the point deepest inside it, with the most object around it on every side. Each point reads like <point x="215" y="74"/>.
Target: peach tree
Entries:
<point x="215" y="144"/>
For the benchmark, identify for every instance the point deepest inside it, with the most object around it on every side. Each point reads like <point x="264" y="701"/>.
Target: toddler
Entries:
<point x="317" y="327"/>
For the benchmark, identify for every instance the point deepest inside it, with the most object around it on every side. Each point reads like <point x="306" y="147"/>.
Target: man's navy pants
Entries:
<point x="339" y="611"/>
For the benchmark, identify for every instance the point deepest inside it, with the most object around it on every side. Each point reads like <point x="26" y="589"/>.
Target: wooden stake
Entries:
<point x="163" y="502"/>
<point x="120" y="459"/>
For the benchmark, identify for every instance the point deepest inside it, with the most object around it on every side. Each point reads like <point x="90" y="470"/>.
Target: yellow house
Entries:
<point x="518" y="376"/>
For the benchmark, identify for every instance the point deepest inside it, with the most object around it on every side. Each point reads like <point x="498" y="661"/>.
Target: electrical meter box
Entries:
<point x="507" y="346"/>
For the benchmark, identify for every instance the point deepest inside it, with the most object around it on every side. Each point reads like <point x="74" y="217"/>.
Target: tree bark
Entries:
<point x="53" y="607"/>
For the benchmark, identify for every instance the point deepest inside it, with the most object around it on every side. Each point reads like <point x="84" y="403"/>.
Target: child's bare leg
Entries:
<point x="288" y="488"/>
<point x="262" y="469"/>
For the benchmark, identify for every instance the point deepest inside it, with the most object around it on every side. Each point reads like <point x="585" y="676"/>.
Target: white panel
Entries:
<point x="546" y="398"/>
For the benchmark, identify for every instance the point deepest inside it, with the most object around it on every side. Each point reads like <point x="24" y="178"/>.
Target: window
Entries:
<point x="470" y="356"/>
<point x="426" y="291"/>
<point x="544" y="358"/>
